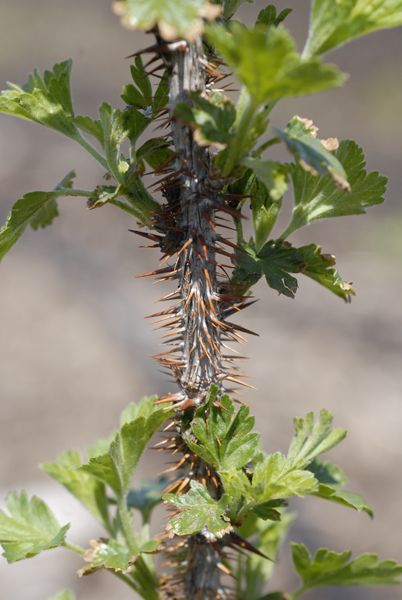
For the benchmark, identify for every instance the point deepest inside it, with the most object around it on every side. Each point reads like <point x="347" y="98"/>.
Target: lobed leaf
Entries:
<point x="300" y="137"/>
<point x="279" y="261"/>
<point x="331" y="481"/>
<point x="116" y="466"/>
<point x="279" y="476"/>
<point x="85" y="487"/>
<point x="319" y="198"/>
<point x="335" y="22"/>
<point x="338" y="568"/>
<point x="113" y="555"/>
<point x="45" y="100"/>
<point x="225" y="439"/>
<point x="29" y="527"/>
<point x="230" y="6"/>
<point x="181" y="18"/>
<point x="198" y="511"/>
<point x="37" y="209"/>
<point x="212" y="119"/>
<point x="266" y="61"/>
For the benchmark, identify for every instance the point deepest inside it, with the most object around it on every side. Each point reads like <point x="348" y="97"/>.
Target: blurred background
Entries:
<point x="75" y="345"/>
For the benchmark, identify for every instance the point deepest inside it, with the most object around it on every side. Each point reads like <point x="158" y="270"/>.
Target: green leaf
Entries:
<point x="86" y="488"/>
<point x="269" y="17"/>
<point x="266" y="195"/>
<point x="212" y="118"/>
<point x="230" y="6"/>
<point x="345" y="498"/>
<point x="225" y="439"/>
<point x="275" y="261"/>
<point x="183" y="18"/>
<point x="37" y="209"/>
<point x="266" y="61"/>
<point x="331" y="481"/>
<point x="338" y="568"/>
<point x="64" y="595"/>
<point x="279" y="476"/>
<point x="29" y="527"/>
<point x="91" y="126"/>
<point x="148" y="495"/>
<point x="45" y="100"/>
<point x="319" y="198"/>
<point x="271" y="174"/>
<point x="155" y="152"/>
<point x="313" y="438"/>
<point x="116" y="466"/>
<point x="333" y="23"/>
<point x="327" y="473"/>
<point x="111" y="555"/>
<point x="321" y="268"/>
<point x="114" y="130"/>
<point x="139" y="93"/>
<point x="278" y="260"/>
<point x="198" y="511"/>
<point x="300" y="137"/>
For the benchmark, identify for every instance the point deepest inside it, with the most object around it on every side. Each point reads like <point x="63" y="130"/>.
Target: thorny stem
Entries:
<point x="199" y="318"/>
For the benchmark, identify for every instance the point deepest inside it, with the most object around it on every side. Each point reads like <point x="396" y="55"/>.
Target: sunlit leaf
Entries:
<point x="37" y="209"/>
<point x="335" y="22"/>
<point x="29" y="527"/>
<point x="319" y="198"/>
<point x="181" y="18"/>
<point x="266" y="61"/>
<point x="198" y="510"/>
<point x="338" y="568"/>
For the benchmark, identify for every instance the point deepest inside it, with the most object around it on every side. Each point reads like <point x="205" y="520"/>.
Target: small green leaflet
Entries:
<point x="230" y="6"/>
<point x="145" y="497"/>
<point x="225" y="439"/>
<point x="37" y="209"/>
<point x="29" y="527"/>
<point x="266" y="61"/>
<point x="278" y="476"/>
<point x="313" y="437"/>
<point x="300" y="137"/>
<point x="113" y="555"/>
<point x="331" y="481"/>
<point x="319" y="198"/>
<point x="212" y="119"/>
<point x="198" y="511"/>
<point x="139" y="93"/>
<point x="64" y="595"/>
<point x="268" y="16"/>
<point x="335" y="22"/>
<point x="278" y="261"/>
<point x="181" y="18"/>
<point x="86" y="488"/>
<point x="114" y="130"/>
<point x="116" y="466"/>
<point x="338" y="568"/>
<point x="46" y="100"/>
<point x="321" y="268"/>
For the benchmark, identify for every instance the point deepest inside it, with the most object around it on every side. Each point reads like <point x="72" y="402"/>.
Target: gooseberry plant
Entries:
<point x="211" y="159"/>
